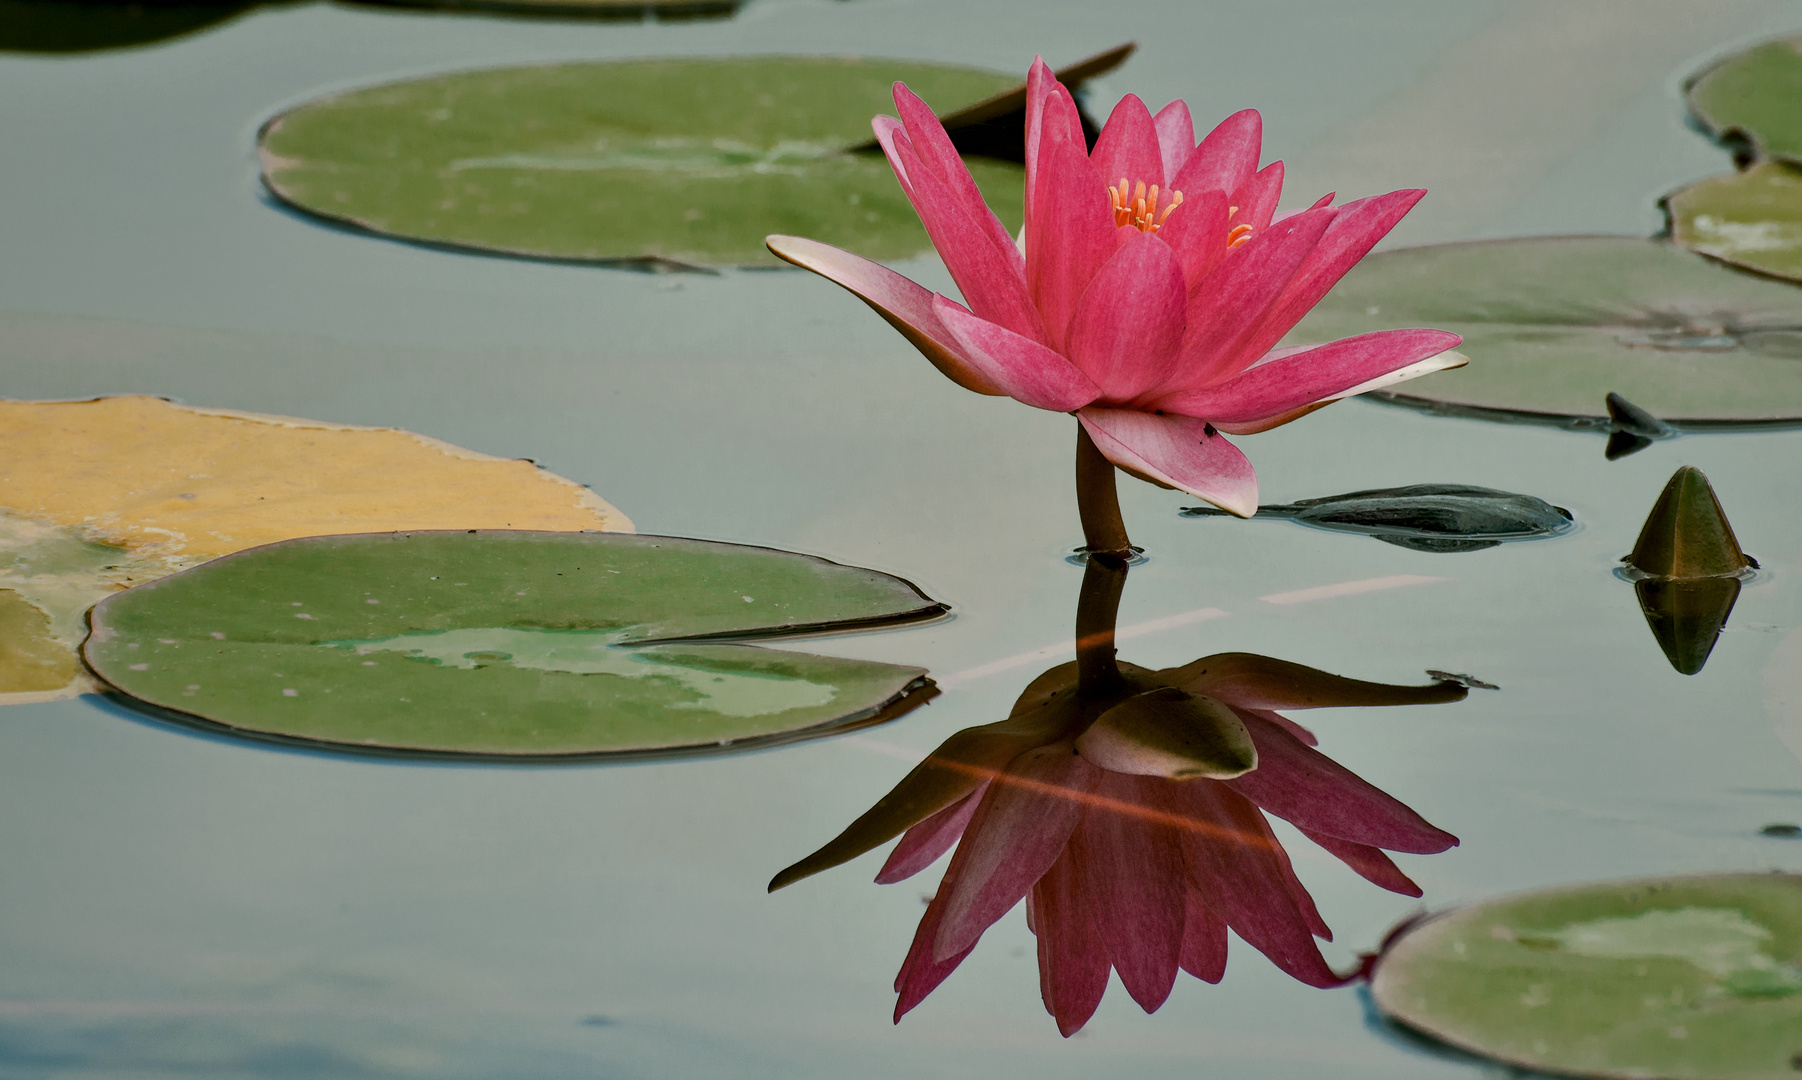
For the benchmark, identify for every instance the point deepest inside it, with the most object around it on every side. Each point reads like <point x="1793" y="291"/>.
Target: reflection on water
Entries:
<point x="1127" y="807"/>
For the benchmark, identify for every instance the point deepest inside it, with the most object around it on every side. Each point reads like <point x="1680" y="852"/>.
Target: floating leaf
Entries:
<point x="1686" y="569"/>
<point x="688" y="161"/>
<point x="1751" y="219"/>
<point x="100" y="495"/>
<point x="594" y="9"/>
<point x="1681" y="979"/>
<point x="505" y="643"/>
<point x="71" y="26"/>
<point x="1751" y="97"/>
<point x="1552" y="325"/>
<point x="1424" y="517"/>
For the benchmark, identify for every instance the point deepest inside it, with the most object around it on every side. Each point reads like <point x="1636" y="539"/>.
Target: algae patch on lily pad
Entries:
<point x="1751" y="219"/>
<point x="1552" y="325"/>
<point x="684" y="161"/>
<point x="1751" y="96"/>
<point x="507" y="643"/>
<point x="1679" y="979"/>
<point x="97" y="496"/>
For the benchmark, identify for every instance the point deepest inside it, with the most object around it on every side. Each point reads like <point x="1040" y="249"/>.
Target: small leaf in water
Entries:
<point x="506" y="643"/>
<point x="1676" y="979"/>
<point x="1424" y="517"/>
<point x="1750" y="98"/>
<point x="1751" y="219"/>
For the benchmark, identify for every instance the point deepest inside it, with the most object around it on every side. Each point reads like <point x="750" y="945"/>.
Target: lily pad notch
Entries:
<point x="508" y="645"/>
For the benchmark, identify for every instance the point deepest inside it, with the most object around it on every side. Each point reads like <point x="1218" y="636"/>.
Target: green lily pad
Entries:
<point x="1553" y="324"/>
<point x="1678" y="979"/>
<point x="1751" y="219"/>
<point x="1751" y="97"/>
<point x="690" y="161"/>
<point x="506" y="643"/>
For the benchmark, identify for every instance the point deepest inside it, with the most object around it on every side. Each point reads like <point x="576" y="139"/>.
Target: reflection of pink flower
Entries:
<point x="1148" y="289"/>
<point x="1144" y="875"/>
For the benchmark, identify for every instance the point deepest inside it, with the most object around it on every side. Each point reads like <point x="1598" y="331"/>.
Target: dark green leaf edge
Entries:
<point x="915" y="694"/>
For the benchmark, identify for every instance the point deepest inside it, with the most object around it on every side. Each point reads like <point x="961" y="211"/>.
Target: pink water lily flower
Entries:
<point x="1147" y="291"/>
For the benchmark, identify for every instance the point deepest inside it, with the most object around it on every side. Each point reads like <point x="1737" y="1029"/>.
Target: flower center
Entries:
<point x="1139" y="208"/>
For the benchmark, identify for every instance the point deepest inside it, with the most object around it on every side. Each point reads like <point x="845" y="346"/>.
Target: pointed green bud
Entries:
<point x="1687" y="535"/>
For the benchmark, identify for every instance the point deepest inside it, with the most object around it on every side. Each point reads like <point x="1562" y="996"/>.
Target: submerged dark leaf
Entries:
<point x="1425" y="517"/>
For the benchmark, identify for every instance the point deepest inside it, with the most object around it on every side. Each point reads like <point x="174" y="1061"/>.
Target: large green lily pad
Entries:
<point x="506" y="643"/>
<point x="1751" y="97"/>
<point x="1679" y="979"/>
<point x="1552" y="325"/>
<point x="1751" y="219"/>
<point x="689" y="161"/>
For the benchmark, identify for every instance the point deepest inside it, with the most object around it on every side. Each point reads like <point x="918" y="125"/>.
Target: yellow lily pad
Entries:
<point x="96" y="496"/>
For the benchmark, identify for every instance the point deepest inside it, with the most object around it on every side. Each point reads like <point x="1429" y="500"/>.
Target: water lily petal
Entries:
<point x="1250" y="681"/>
<point x="1178" y="452"/>
<point x="1025" y="370"/>
<point x="1229" y="306"/>
<point x="986" y="272"/>
<point x="961" y="763"/>
<point x="906" y="306"/>
<point x="920" y="973"/>
<point x="1130" y="319"/>
<point x="1226" y="159"/>
<point x="934" y="147"/>
<point x="1325" y="372"/>
<point x="1204" y="939"/>
<point x="1196" y="231"/>
<point x="1176" y="137"/>
<point x="1356" y="228"/>
<point x="1312" y="791"/>
<point x="1132" y="866"/>
<point x="922" y="845"/>
<point x="1439" y="362"/>
<point x="1019" y="829"/>
<point x="1369" y="863"/>
<point x="1234" y="863"/>
<point x="1070" y="229"/>
<point x="1073" y="962"/>
<point x="1257" y="199"/>
<point x="1129" y="146"/>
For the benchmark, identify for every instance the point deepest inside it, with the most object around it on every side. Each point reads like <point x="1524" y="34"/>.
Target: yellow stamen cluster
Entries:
<point x="1139" y="208"/>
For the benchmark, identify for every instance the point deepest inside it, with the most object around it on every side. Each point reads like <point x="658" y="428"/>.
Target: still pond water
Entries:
<point x="181" y="905"/>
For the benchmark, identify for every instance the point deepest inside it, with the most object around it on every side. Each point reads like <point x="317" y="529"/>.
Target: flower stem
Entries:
<point x="1103" y="529"/>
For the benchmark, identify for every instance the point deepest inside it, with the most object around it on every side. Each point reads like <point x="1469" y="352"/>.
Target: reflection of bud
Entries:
<point x="1687" y="566"/>
<point x="1073" y="803"/>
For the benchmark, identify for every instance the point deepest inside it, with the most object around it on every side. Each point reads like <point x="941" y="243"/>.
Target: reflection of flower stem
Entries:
<point x="1097" y="670"/>
<point x="1103" y="529"/>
